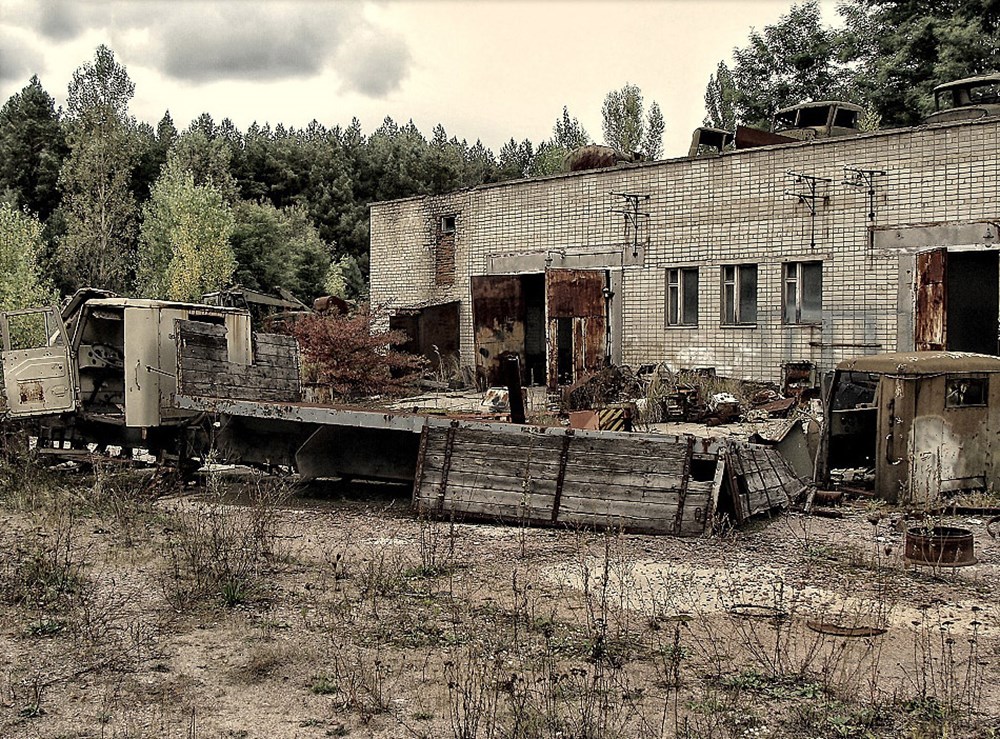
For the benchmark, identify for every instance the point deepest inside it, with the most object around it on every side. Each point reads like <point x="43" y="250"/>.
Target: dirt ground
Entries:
<point x="245" y="607"/>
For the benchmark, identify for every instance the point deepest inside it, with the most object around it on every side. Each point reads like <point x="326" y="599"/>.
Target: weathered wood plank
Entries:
<point x="250" y="373"/>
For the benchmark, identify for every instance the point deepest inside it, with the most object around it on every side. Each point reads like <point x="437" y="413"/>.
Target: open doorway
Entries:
<point x="957" y="301"/>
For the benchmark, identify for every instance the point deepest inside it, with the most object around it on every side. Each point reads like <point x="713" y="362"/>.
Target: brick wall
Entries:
<point x="709" y="212"/>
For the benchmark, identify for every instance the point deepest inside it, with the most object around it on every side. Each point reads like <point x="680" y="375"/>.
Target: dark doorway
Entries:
<point x="973" y="301"/>
<point x="431" y="331"/>
<point x="533" y="287"/>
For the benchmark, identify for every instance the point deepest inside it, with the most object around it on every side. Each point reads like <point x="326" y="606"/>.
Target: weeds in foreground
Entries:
<point x="222" y="552"/>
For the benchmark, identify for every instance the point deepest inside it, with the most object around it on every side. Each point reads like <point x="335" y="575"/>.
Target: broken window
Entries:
<point x="803" y="294"/>
<point x="682" y="296"/>
<point x="846" y="118"/>
<point x="444" y="253"/>
<point x="739" y="294"/>
<point x="964" y="391"/>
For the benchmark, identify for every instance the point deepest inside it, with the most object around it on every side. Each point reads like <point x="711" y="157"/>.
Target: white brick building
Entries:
<point x="728" y="267"/>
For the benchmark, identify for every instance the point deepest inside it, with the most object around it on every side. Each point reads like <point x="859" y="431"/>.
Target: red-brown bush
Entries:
<point x="342" y="352"/>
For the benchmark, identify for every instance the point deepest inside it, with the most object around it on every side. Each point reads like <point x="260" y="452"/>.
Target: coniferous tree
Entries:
<point x="32" y="149"/>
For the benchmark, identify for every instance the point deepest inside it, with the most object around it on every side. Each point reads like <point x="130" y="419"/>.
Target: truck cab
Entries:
<point x="966" y="99"/>
<point x="104" y="368"/>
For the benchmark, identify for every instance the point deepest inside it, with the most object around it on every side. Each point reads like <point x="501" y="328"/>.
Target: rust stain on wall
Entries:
<point x="498" y="312"/>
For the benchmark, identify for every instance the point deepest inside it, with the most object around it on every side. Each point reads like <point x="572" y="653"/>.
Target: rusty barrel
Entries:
<point x="941" y="546"/>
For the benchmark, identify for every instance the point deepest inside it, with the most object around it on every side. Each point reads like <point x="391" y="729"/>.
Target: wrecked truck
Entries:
<point x="926" y="422"/>
<point x="182" y="379"/>
<point x="103" y="370"/>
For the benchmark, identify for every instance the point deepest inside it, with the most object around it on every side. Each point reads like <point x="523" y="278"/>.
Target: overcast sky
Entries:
<point x="487" y="69"/>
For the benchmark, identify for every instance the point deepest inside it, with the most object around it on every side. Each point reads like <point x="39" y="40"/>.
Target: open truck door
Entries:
<point x="37" y="372"/>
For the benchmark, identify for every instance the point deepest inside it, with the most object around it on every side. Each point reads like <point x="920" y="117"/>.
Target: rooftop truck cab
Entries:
<point x="966" y="99"/>
<point x="817" y="120"/>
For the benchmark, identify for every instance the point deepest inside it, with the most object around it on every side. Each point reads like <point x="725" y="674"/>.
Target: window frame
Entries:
<point x="792" y="274"/>
<point x="953" y="401"/>
<point x="739" y="271"/>
<point x="448" y="224"/>
<point x="676" y="297"/>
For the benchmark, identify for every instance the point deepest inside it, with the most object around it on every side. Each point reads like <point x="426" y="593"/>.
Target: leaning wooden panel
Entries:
<point x="760" y="480"/>
<point x="638" y="484"/>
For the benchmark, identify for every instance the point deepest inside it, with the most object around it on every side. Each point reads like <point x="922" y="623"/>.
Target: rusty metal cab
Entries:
<point x="924" y="421"/>
<point x="966" y="99"/>
<point x="817" y="120"/>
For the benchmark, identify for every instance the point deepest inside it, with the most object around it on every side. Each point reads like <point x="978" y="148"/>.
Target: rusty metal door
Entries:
<point x="930" y="332"/>
<point x="576" y="316"/>
<point x="498" y="322"/>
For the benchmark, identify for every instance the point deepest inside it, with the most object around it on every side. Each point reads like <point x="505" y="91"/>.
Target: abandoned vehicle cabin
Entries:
<point x="811" y="251"/>
<point x="924" y="421"/>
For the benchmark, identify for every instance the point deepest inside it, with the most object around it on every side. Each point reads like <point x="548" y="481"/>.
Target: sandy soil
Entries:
<point x="351" y="617"/>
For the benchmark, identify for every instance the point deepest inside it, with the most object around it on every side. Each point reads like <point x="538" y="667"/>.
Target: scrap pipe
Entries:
<point x="512" y="369"/>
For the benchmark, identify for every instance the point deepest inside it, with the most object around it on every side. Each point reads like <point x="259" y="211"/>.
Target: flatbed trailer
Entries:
<point x="186" y="378"/>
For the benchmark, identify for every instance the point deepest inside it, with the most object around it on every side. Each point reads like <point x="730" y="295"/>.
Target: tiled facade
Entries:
<point x="939" y="186"/>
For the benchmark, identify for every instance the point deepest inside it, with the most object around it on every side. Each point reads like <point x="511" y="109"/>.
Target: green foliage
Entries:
<point x="279" y="247"/>
<point x="888" y="57"/>
<point x="720" y="99"/>
<point x="344" y="278"/>
<point x="98" y="248"/>
<point x="208" y="157"/>
<point x="32" y="149"/>
<point x="625" y="127"/>
<point x="906" y="47"/>
<point x="568" y="134"/>
<point x="185" y="250"/>
<point x="795" y="59"/>
<point x="515" y="159"/>
<point x="21" y="284"/>
<point x="548" y="159"/>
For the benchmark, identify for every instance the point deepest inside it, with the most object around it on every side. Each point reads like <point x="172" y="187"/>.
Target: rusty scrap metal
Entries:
<point x="832" y="629"/>
<point x="993" y="527"/>
<point x="758" y="611"/>
<point x="940" y="546"/>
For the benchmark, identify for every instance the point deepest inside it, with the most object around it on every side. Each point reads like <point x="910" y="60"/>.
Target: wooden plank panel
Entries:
<point x="533" y="486"/>
<point x="619" y="482"/>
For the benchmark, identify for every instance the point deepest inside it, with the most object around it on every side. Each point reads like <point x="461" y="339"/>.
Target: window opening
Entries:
<point x="803" y="294"/>
<point x="739" y="294"/>
<point x="962" y="392"/>
<point x="682" y="297"/>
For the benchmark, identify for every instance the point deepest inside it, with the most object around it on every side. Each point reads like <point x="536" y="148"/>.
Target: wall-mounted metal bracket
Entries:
<point x="865" y="179"/>
<point x="635" y="220"/>
<point x="808" y="191"/>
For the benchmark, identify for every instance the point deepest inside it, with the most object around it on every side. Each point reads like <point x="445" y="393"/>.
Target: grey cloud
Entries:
<point x="374" y="64"/>
<point x="18" y="61"/>
<point x="255" y="41"/>
<point x="58" y="20"/>
<point x="208" y="41"/>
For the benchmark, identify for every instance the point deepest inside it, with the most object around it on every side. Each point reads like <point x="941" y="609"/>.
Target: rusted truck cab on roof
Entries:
<point x="925" y="421"/>
<point x="966" y="99"/>
<point x="817" y="120"/>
